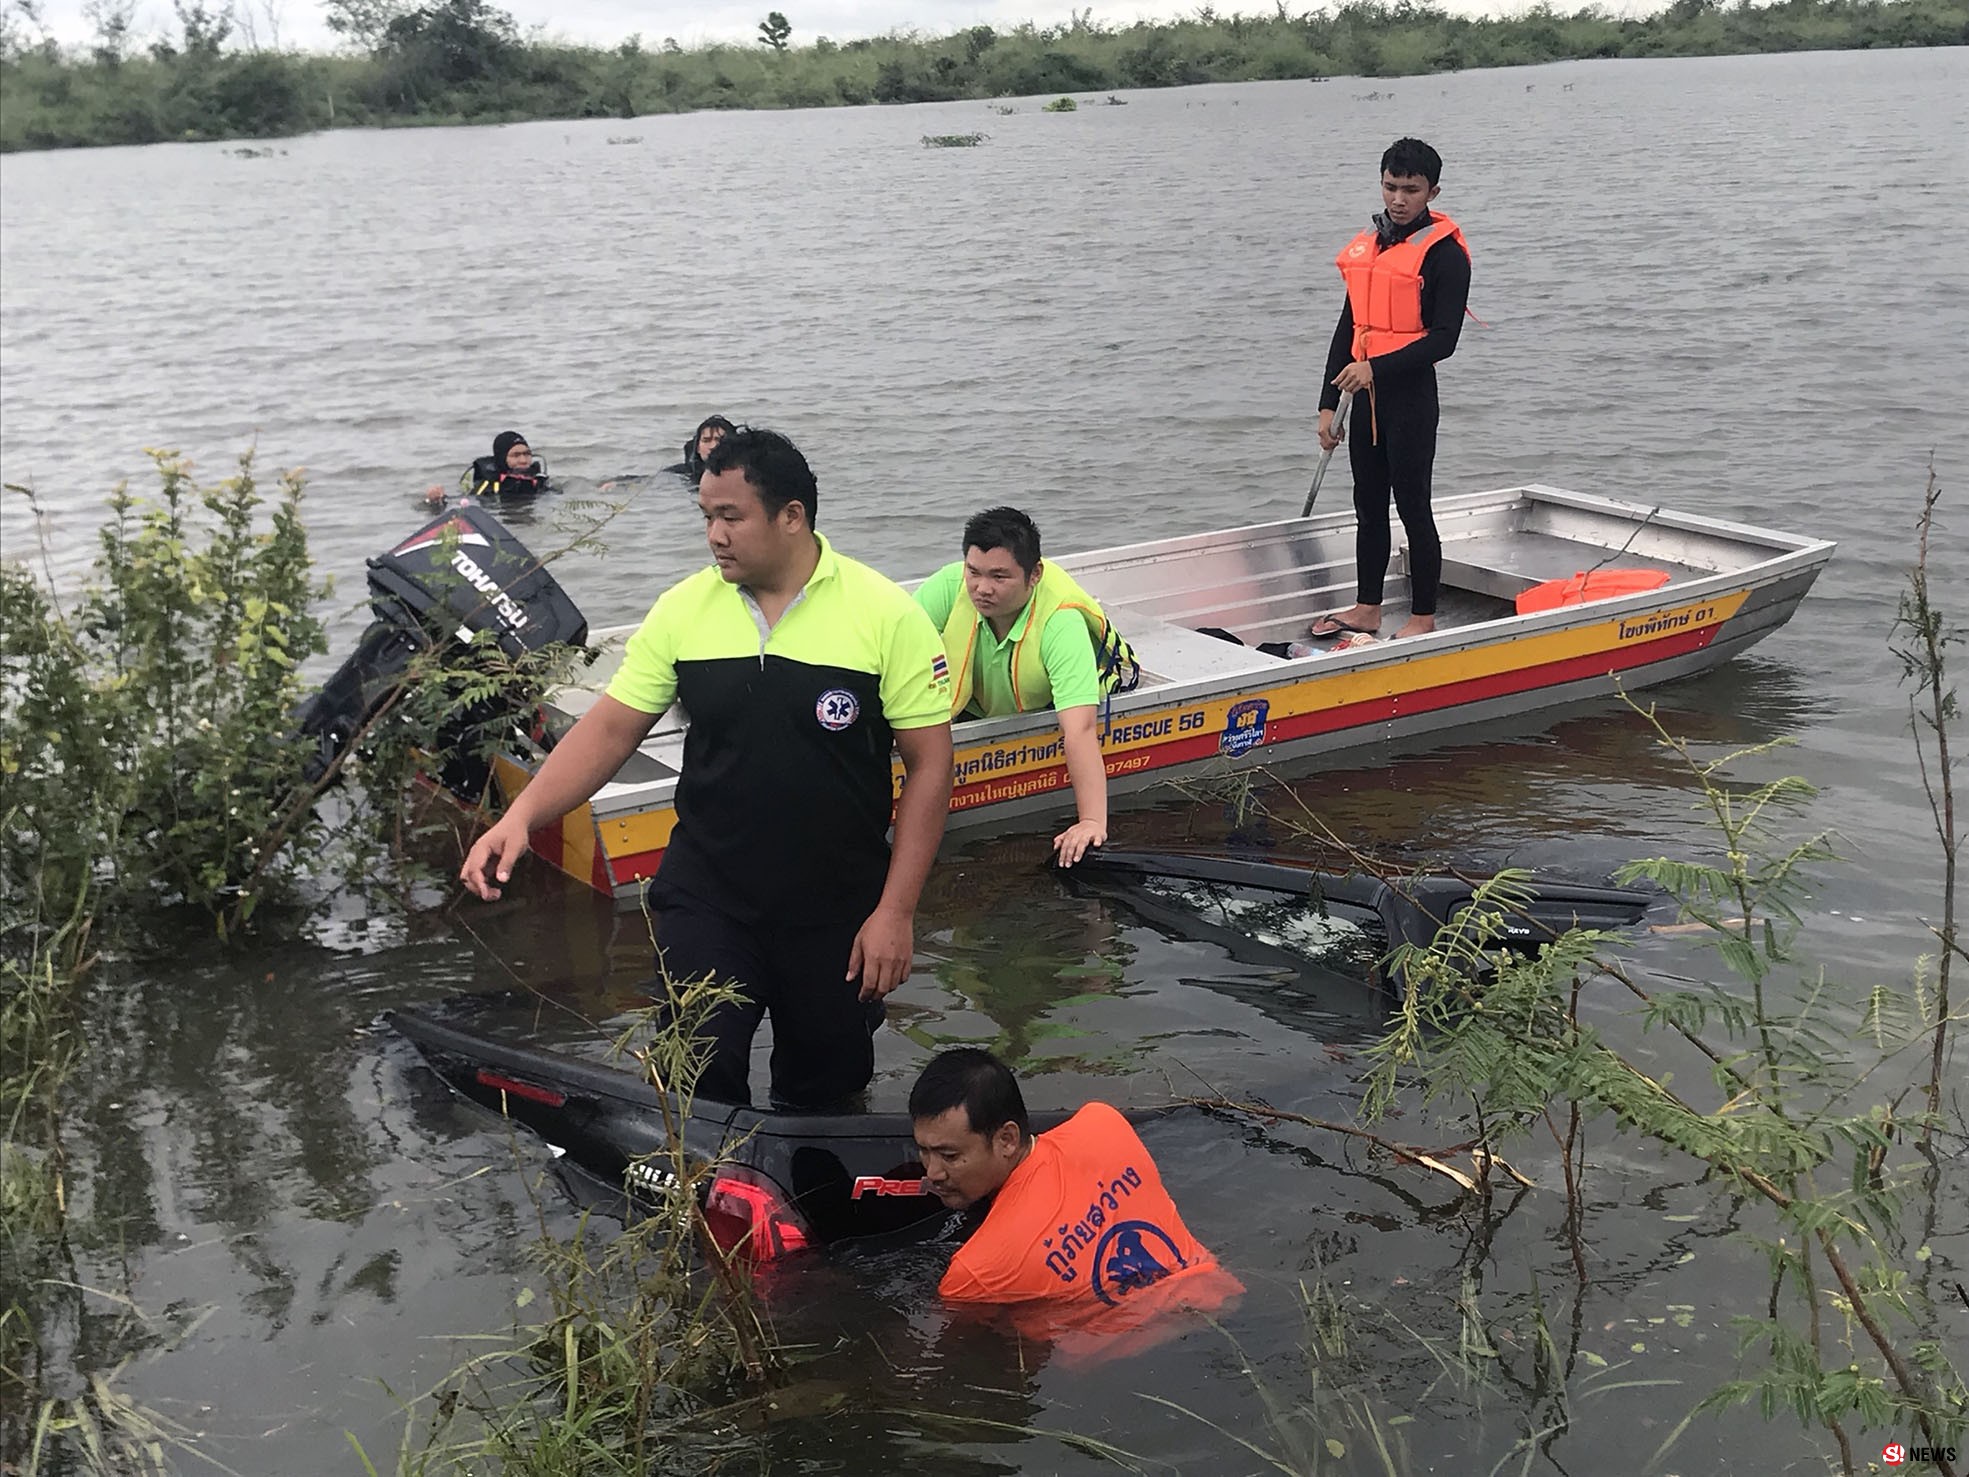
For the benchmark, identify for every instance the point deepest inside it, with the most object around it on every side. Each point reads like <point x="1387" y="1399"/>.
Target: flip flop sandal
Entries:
<point x="1329" y="626"/>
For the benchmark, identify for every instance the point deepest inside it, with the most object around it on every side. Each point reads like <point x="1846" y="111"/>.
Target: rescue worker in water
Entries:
<point x="1076" y="1223"/>
<point x="510" y="469"/>
<point x="1022" y="635"/>
<point x="1408" y="287"/>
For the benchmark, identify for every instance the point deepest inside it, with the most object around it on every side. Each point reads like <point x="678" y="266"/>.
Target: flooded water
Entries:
<point x="1733" y="286"/>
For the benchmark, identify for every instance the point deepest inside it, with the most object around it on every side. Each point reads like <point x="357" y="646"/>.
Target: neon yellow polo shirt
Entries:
<point x="1065" y="649"/>
<point x="783" y="805"/>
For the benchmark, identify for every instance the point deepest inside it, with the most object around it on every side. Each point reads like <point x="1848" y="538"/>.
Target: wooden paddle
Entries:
<point x="1319" y="472"/>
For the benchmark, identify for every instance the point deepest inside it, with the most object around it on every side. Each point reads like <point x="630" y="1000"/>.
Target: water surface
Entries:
<point x="1734" y="286"/>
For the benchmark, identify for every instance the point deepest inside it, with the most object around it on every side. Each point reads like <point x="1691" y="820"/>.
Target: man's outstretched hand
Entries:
<point x="493" y="856"/>
<point x="882" y="954"/>
<point x="1073" y="843"/>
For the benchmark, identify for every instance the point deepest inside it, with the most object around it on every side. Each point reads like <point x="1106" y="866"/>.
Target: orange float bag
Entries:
<point x="1597" y="584"/>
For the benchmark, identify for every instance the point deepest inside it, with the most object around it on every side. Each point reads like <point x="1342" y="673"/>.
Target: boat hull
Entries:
<point x="1208" y="707"/>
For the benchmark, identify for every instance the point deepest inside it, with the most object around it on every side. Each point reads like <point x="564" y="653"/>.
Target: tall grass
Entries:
<point x="651" y="1339"/>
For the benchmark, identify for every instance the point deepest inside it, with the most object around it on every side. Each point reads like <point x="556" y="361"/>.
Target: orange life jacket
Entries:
<point x="1384" y="288"/>
<point x="1085" y="1223"/>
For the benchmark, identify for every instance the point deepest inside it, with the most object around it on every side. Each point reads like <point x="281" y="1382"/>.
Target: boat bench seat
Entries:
<point x="1173" y="653"/>
<point x="1504" y="567"/>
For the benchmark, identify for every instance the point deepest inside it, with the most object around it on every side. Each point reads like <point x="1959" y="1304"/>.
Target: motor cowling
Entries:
<point x="462" y="573"/>
<point x="468" y="567"/>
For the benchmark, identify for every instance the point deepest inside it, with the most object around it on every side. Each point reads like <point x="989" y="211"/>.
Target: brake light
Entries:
<point x="533" y="1094"/>
<point x="749" y="1219"/>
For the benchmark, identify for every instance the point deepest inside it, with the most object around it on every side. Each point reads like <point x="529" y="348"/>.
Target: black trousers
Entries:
<point x="823" y="1051"/>
<point x="1399" y="462"/>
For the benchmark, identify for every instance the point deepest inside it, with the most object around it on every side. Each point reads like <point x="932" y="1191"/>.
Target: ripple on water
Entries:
<point x="1116" y="319"/>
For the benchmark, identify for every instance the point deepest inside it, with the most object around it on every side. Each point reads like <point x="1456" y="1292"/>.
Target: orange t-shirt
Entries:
<point x="1085" y="1226"/>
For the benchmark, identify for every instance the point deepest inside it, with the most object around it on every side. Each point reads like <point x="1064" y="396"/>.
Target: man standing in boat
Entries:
<point x="1022" y="635"/>
<point x="1408" y="285"/>
<point x="800" y="670"/>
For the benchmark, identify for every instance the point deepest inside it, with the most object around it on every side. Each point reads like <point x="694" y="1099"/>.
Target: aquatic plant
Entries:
<point x="1061" y="105"/>
<point x="1800" y="1104"/>
<point x="152" y="770"/>
<point x="652" y="1340"/>
<point x="1920" y="640"/>
<point x="141" y="746"/>
<point x="144" y="734"/>
<point x="953" y="140"/>
<point x="1793" y="1116"/>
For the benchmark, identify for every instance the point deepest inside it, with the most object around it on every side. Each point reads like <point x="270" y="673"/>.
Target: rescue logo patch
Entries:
<point x="1132" y="1255"/>
<point x="837" y="708"/>
<point x="1244" y="727"/>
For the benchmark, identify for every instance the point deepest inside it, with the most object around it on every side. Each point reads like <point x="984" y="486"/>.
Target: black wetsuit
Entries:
<point x="486" y="478"/>
<point x="1391" y="439"/>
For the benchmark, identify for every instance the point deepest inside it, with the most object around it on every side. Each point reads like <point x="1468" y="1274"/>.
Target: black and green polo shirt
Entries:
<point x="783" y="807"/>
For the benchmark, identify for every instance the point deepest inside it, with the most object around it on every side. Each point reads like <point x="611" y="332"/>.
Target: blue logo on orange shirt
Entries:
<point x="1132" y="1255"/>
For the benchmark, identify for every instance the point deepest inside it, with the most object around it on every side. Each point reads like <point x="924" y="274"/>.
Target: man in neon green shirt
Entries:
<point x="987" y="605"/>
<point x="801" y="670"/>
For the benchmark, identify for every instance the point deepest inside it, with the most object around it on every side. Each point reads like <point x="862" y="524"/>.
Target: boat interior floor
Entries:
<point x="1169" y="652"/>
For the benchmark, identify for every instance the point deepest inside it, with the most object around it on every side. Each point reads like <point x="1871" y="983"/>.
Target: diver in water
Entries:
<point x="710" y="431"/>
<point x="510" y="471"/>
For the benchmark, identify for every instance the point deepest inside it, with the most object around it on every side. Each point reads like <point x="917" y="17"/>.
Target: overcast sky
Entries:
<point x="605" y="22"/>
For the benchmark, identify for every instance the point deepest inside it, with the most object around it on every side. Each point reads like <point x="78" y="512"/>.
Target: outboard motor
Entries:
<point x="461" y="573"/>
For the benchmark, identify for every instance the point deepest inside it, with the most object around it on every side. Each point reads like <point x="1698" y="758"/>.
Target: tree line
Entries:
<point x="221" y="71"/>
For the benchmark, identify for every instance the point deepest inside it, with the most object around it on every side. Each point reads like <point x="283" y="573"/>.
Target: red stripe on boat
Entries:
<point x="1355" y="715"/>
<point x="531" y="1092"/>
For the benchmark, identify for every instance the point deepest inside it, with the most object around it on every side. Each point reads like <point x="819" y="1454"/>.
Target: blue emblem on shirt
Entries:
<point x="837" y="708"/>
<point x="1132" y="1255"/>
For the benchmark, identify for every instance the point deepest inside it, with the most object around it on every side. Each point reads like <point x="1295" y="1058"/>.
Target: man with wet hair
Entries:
<point x="1022" y="635"/>
<point x="1408" y="285"/>
<point x="710" y="431"/>
<point x="801" y="670"/>
<point x="1076" y="1220"/>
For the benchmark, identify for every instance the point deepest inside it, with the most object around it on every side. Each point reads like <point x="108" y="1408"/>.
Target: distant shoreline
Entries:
<point x="461" y="62"/>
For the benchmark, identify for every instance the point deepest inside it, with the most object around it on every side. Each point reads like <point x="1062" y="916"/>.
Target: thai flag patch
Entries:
<point x="939" y="669"/>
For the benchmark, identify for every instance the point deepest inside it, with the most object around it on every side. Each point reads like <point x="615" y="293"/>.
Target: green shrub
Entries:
<point x="145" y="735"/>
